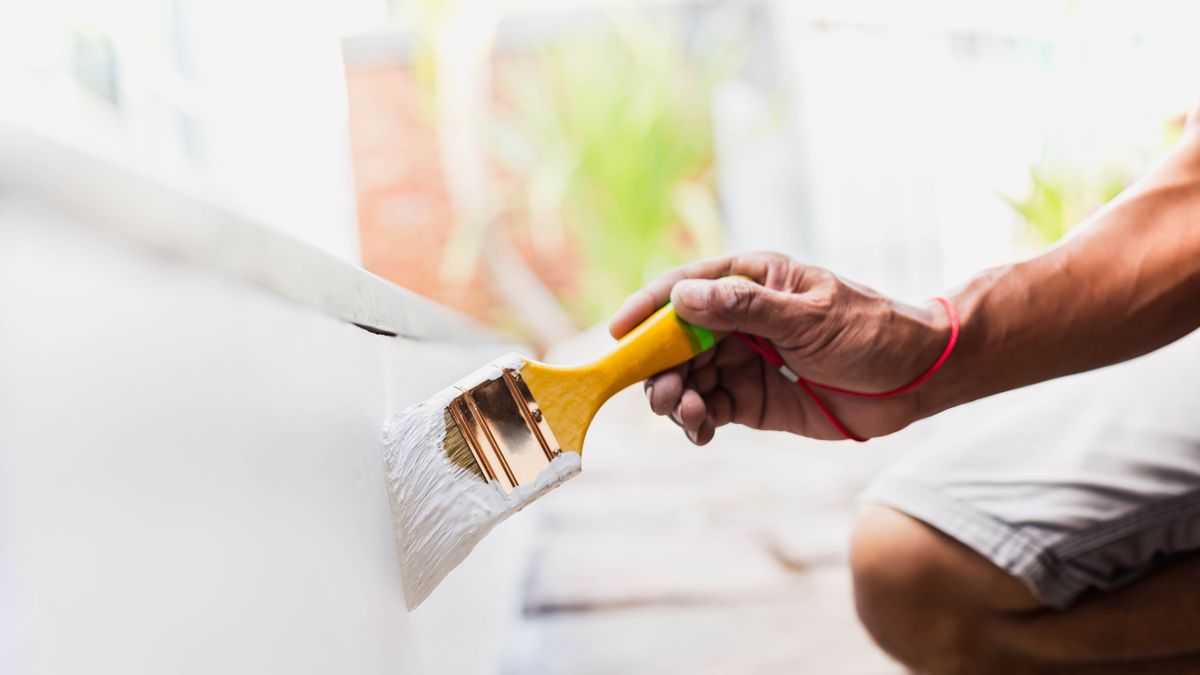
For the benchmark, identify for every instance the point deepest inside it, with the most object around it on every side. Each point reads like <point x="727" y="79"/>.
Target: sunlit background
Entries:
<point x="531" y="163"/>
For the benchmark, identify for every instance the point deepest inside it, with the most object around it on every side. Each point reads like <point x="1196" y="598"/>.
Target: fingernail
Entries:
<point x="693" y="295"/>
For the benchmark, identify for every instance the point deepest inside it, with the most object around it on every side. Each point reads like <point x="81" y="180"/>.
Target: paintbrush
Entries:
<point x="484" y="448"/>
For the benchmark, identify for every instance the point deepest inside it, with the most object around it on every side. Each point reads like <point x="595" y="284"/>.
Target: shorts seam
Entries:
<point x="1138" y="520"/>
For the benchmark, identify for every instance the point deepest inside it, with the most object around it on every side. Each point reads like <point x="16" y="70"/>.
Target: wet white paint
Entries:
<point x="442" y="511"/>
<point x="190" y="460"/>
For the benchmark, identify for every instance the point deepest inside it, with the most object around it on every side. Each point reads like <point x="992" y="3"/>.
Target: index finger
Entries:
<point x="642" y="303"/>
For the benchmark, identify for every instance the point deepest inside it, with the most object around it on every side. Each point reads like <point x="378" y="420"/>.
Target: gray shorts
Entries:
<point x="1087" y="482"/>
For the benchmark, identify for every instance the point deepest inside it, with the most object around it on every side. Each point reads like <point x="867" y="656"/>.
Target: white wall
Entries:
<point x="190" y="471"/>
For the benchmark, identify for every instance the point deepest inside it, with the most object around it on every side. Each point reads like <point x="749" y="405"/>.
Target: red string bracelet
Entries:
<point x="767" y="350"/>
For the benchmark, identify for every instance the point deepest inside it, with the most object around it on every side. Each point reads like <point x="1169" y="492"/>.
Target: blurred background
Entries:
<point x="530" y="163"/>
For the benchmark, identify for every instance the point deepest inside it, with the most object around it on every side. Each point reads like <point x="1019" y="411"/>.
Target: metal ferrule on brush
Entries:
<point x="503" y="426"/>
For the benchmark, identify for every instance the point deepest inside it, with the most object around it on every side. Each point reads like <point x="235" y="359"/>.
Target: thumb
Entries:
<point x="732" y="303"/>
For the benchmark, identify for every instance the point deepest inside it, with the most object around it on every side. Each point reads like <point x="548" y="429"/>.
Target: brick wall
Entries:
<point x="405" y="213"/>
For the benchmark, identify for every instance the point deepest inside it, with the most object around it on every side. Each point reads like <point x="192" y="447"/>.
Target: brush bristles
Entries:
<point x="458" y="451"/>
<point x="441" y="504"/>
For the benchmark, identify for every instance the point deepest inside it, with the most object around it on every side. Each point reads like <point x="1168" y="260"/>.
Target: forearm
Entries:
<point x="1127" y="283"/>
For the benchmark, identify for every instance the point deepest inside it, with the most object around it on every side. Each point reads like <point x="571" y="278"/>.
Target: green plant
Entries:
<point x="1060" y="198"/>
<point x="611" y="130"/>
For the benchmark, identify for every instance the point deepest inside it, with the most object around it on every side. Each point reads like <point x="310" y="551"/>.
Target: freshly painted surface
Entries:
<point x="442" y="511"/>
<point x="191" y="471"/>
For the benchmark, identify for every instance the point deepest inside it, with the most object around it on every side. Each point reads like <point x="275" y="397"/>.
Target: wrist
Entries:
<point x="930" y="331"/>
<point x="959" y="379"/>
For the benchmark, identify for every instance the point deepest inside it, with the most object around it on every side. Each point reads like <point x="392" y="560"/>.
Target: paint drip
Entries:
<point x="441" y="511"/>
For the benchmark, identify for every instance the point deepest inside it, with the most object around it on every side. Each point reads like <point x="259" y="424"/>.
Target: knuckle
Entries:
<point x="818" y="322"/>
<point x="771" y="258"/>
<point x="738" y="299"/>
<point x="781" y="265"/>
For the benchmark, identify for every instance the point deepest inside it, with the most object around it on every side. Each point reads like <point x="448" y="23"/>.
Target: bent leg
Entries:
<point x="939" y="607"/>
<point x="926" y="599"/>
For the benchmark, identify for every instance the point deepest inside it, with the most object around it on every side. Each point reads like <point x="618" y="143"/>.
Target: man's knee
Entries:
<point x="899" y="586"/>
<point x="924" y="597"/>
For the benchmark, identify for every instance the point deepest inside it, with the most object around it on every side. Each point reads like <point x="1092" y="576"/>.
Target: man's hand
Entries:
<point x="827" y="330"/>
<point x="1126" y="282"/>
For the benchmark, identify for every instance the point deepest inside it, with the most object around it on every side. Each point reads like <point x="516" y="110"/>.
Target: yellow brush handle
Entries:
<point x="661" y="342"/>
<point x="570" y="396"/>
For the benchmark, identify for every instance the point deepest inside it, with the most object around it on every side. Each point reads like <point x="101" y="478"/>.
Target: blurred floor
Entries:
<point x="666" y="558"/>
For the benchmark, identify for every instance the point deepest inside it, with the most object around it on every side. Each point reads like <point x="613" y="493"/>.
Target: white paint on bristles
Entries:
<point x="441" y="511"/>
<point x="510" y="361"/>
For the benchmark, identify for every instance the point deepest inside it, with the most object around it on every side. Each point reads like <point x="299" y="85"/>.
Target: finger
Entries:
<point x="733" y="354"/>
<point x="741" y="305"/>
<point x="691" y="412"/>
<point x="702" y="359"/>
<point x="664" y="391"/>
<point x="720" y="406"/>
<point x="647" y="300"/>
<point x="749" y="389"/>
<point x="704" y="379"/>
<point x="705" y="433"/>
<point x="770" y="269"/>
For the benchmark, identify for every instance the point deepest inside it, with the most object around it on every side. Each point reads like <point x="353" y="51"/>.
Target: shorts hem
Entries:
<point x="1030" y="560"/>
